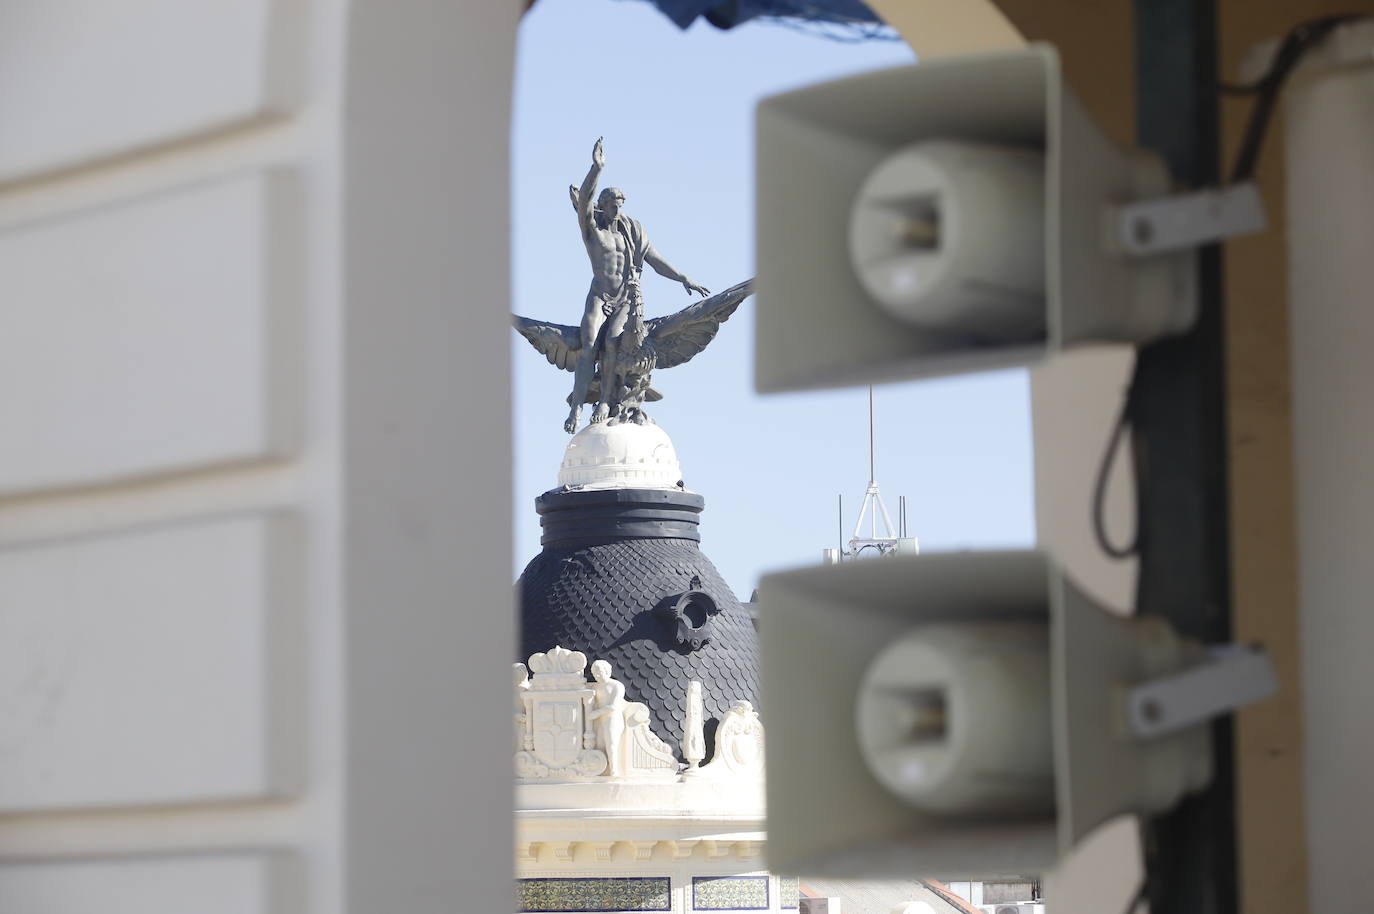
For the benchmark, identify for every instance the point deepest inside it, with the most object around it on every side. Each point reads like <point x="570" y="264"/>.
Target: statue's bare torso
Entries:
<point x="609" y="253"/>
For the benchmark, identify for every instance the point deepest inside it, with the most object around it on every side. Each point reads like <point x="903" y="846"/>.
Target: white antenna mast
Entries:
<point x="882" y="536"/>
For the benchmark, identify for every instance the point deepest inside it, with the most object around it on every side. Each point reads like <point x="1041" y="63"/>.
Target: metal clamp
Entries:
<point x="1233" y="676"/>
<point x="1174" y="223"/>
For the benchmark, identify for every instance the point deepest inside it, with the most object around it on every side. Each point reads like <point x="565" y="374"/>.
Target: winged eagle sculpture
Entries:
<point x="660" y="342"/>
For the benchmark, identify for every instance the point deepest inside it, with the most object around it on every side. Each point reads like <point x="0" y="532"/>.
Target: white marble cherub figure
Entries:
<point x="522" y="685"/>
<point x="609" y="715"/>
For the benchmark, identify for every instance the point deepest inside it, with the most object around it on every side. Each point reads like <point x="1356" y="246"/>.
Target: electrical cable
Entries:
<point x="1294" y="46"/>
<point x="1104" y="469"/>
<point x="1267" y="88"/>
<point x="1137" y="897"/>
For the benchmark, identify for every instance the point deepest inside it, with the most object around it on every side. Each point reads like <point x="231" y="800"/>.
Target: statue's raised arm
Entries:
<point x="582" y="197"/>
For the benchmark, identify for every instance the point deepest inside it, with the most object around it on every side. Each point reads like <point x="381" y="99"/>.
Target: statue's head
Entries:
<point x="610" y="201"/>
<point x="601" y="670"/>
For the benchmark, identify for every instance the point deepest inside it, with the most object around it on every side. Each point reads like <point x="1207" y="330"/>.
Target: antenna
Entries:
<point x="835" y="556"/>
<point x="883" y="538"/>
<point x="872" y="474"/>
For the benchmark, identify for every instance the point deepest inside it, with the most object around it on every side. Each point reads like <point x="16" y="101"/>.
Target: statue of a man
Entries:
<point x="618" y="250"/>
<point x="609" y="715"/>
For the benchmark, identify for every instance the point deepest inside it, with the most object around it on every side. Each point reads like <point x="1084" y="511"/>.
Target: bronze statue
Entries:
<point x="614" y="350"/>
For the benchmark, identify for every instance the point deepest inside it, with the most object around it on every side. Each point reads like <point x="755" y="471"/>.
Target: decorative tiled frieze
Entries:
<point x="789" y="893"/>
<point x="610" y="894"/>
<point x="730" y="893"/>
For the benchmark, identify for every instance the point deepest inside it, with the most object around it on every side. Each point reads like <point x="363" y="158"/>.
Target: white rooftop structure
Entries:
<point x="620" y="455"/>
<point x="608" y="819"/>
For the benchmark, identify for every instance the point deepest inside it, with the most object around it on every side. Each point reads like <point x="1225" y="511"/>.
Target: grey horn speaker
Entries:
<point x="947" y="217"/>
<point x="956" y="715"/>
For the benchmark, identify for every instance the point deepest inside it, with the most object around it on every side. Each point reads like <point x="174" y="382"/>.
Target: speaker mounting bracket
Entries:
<point x="1181" y="221"/>
<point x="1232" y="676"/>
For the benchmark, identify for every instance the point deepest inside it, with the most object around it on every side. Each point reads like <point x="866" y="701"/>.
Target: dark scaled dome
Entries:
<point x="621" y="579"/>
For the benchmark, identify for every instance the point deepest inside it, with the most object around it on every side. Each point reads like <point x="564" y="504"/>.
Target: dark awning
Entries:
<point x="729" y="13"/>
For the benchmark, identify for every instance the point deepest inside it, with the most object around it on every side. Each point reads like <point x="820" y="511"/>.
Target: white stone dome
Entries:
<point x="620" y="456"/>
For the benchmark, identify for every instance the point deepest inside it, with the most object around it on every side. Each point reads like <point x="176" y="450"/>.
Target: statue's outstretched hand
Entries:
<point x="693" y="287"/>
<point x="599" y="153"/>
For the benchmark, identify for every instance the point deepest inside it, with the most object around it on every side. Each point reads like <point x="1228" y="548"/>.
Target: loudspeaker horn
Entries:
<point x="956" y="715"/>
<point x="948" y="217"/>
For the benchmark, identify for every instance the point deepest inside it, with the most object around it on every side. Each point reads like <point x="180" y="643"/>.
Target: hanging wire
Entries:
<point x="1136" y="897"/>
<point x="1294" y="46"/>
<point x="1104" y="471"/>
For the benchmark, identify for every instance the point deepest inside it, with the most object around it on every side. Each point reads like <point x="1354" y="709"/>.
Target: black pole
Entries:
<point x="1178" y="416"/>
<point x="839" y="506"/>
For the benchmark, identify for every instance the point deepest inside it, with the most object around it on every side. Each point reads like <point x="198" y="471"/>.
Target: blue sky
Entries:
<point x="676" y="110"/>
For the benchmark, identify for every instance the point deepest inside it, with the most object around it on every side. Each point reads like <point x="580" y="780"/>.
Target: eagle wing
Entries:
<point x="678" y="337"/>
<point x="558" y="343"/>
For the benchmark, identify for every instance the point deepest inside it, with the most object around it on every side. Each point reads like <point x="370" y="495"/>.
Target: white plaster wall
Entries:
<point x="208" y="709"/>
<point x="86" y="79"/>
<point x="168" y="338"/>
<point x="245" y="596"/>
<point x="238" y="883"/>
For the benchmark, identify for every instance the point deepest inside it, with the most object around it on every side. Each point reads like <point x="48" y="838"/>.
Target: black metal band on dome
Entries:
<point x="603" y="515"/>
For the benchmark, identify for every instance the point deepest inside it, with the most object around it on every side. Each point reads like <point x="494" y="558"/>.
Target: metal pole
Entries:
<point x="1178" y="419"/>
<point x="839" y="530"/>
<point x="872" y="474"/>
